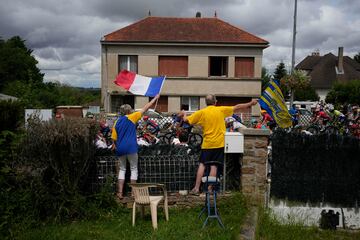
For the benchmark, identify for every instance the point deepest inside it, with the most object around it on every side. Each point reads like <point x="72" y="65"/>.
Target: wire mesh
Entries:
<point x="174" y="166"/>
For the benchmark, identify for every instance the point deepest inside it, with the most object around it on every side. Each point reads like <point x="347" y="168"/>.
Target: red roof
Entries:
<point x="183" y="30"/>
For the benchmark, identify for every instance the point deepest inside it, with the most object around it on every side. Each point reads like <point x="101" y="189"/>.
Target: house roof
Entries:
<point x="183" y="30"/>
<point x="7" y="97"/>
<point x="322" y="70"/>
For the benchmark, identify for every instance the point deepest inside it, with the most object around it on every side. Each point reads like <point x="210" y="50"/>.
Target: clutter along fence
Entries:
<point x="317" y="168"/>
<point x="176" y="167"/>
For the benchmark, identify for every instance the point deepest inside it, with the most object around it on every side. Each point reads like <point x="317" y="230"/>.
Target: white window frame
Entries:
<point x="189" y="100"/>
<point x="128" y="62"/>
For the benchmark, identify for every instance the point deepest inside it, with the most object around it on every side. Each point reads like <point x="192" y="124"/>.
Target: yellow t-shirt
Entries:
<point x="212" y="120"/>
<point x="133" y="117"/>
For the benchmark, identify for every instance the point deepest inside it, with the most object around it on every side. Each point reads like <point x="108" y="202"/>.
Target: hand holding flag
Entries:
<point x="139" y="85"/>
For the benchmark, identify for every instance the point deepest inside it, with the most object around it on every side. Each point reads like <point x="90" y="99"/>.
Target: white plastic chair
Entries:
<point x="142" y="197"/>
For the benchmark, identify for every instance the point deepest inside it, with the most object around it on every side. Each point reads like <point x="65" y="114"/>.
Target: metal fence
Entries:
<point x="174" y="166"/>
<point x="317" y="168"/>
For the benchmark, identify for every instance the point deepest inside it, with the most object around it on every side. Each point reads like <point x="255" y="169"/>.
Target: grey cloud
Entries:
<point x="65" y="34"/>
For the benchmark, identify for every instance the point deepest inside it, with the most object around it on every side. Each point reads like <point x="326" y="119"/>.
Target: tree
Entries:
<point x="280" y="71"/>
<point x="298" y="80"/>
<point x="306" y="94"/>
<point x="342" y="93"/>
<point x="265" y="78"/>
<point x="357" y="57"/>
<point x="17" y="63"/>
<point x="20" y="77"/>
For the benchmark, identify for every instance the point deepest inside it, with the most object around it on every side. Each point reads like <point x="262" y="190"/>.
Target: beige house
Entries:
<point x="198" y="56"/>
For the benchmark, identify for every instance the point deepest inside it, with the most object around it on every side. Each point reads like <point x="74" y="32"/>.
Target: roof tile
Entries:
<point x="194" y="30"/>
<point x="323" y="72"/>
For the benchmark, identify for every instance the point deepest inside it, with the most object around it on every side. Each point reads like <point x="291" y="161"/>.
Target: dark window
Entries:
<point x="118" y="100"/>
<point x="218" y="66"/>
<point x="173" y="66"/>
<point x="129" y="63"/>
<point x="244" y="67"/>
<point x="190" y="103"/>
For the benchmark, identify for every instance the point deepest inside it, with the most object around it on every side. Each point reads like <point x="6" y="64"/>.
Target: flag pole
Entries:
<point x="159" y="93"/>
<point x="156" y="103"/>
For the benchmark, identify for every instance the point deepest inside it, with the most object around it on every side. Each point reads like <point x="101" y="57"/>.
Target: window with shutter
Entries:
<point x="173" y="66"/>
<point x="244" y="67"/>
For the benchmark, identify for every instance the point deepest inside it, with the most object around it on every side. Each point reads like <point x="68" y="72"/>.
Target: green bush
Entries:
<point x="12" y="113"/>
<point x="342" y="93"/>
<point x="45" y="175"/>
<point x="60" y="153"/>
<point x="10" y="135"/>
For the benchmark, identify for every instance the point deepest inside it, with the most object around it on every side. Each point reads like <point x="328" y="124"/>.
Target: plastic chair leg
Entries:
<point x="134" y="214"/>
<point x="153" y="209"/>
<point x="166" y="209"/>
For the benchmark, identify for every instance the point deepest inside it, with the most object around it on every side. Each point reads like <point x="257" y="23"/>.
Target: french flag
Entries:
<point x="139" y="85"/>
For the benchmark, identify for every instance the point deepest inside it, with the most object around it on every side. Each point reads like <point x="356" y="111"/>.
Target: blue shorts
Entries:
<point x="212" y="155"/>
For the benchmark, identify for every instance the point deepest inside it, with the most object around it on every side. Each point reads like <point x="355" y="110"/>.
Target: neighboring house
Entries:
<point x="328" y="69"/>
<point x="7" y="97"/>
<point x="198" y="55"/>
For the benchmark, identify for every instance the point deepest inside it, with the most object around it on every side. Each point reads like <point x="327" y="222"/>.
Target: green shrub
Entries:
<point x="11" y="115"/>
<point x="59" y="154"/>
<point x="342" y="93"/>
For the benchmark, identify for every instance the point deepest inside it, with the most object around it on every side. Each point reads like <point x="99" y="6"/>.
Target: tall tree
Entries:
<point x="280" y="71"/>
<point x="357" y="57"/>
<point x="17" y="63"/>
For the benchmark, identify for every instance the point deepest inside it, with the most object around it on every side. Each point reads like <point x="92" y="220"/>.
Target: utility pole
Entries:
<point x="293" y="53"/>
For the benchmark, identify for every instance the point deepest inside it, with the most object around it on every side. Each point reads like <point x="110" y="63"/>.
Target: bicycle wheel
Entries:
<point x="195" y="139"/>
<point x="169" y="138"/>
<point x="163" y="138"/>
<point x="313" y="129"/>
<point x="331" y="130"/>
<point x="296" y="129"/>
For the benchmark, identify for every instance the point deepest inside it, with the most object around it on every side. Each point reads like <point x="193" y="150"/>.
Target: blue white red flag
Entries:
<point x="139" y="85"/>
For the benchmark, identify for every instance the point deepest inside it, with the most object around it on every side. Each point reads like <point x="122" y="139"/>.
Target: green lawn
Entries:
<point x="270" y="229"/>
<point x="183" y="224"/>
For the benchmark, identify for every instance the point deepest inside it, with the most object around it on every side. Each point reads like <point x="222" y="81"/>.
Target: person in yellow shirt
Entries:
<point x="212" y="121"/>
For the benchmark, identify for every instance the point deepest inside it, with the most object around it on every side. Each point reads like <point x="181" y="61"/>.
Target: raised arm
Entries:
<point x="149" y="104"/>
<point x="245" y="105"/>
<point x="182" y="114"/>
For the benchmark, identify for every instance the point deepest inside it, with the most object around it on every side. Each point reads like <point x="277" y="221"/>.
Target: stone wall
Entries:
<point x="253" y="165"/>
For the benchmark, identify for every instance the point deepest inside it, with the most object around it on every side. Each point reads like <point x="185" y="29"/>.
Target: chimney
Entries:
<point x="198" y="15"/>
<point x="340" y="63"/>
<point x="316" y="52"/>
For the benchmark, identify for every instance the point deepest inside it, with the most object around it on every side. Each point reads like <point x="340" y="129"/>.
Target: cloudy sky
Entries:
<point x="65" y="34"/>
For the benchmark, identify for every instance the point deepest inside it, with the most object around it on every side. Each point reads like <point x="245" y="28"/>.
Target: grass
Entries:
<point x="183" y="224"/>
<point x="269" y="228"/>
